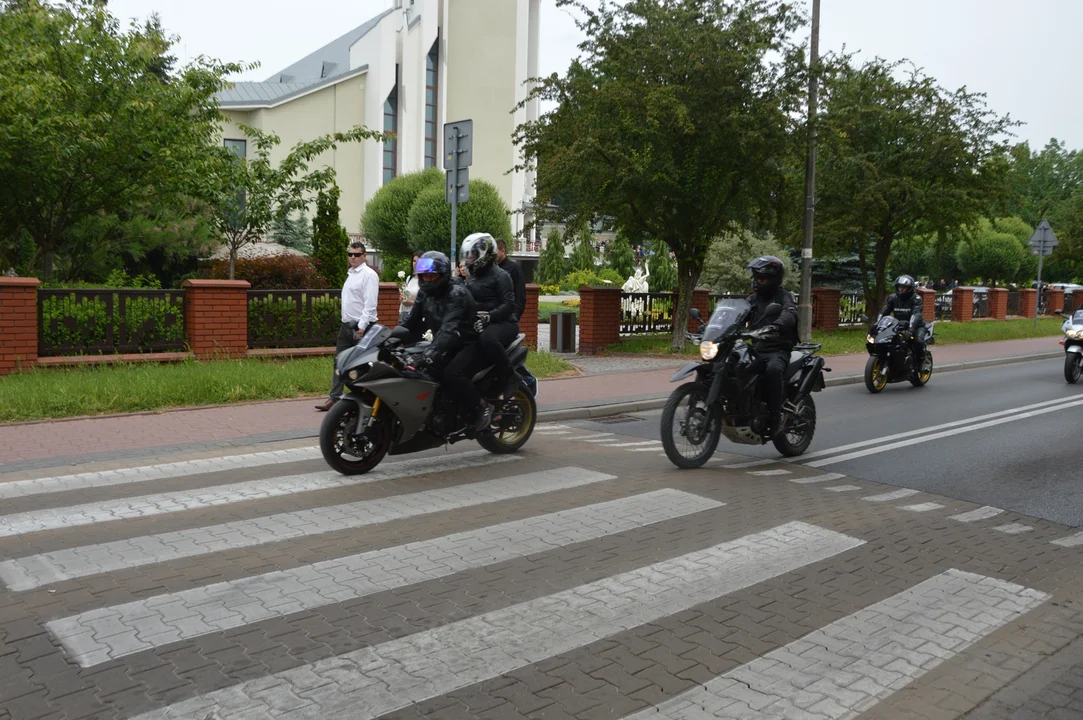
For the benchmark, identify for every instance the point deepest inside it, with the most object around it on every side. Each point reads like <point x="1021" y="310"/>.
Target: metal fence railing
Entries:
<point x="109" y="321"/>
<point x="293" y="318"/>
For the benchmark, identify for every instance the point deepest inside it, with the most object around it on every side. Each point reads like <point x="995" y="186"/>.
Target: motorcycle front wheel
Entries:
<point x="1073" y="366"/>
<point x="512" y="424"/>
<point x="690" y="429"/>
<point x="875" y="374"/>
<point x="800" y="427"/>
<point x="343" y="452"/>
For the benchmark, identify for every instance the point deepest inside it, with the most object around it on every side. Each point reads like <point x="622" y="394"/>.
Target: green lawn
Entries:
<point x="841" y="342"/>
<point x="65" y="392"/>
<point x="546" y="309"/>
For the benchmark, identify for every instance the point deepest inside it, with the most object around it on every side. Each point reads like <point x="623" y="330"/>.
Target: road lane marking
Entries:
<point x="982" y="513"/>
<point x="895" y="495"/>
<point x="1070" y="541"/>
<point x="843" y="488"/>
<point x="817" y="478"/>
<point x="1013" y="528"/>
<point x="399" y="673"/>
<point x="921" y="507"/>
<point x="751" y="463"/>
<point x="769" y="473"/>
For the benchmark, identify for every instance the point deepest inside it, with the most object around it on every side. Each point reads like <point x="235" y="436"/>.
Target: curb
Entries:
<point x="594" y="411"/>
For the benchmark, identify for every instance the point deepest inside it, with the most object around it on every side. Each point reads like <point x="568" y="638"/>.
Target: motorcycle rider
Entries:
<point x="494" y="292"/>
<point x="448" y="309"/>
<point x="780" y="333"/>
<point x="905" y="304"/>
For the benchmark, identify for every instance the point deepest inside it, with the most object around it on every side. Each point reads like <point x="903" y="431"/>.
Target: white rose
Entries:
<point x="402" y="274"/>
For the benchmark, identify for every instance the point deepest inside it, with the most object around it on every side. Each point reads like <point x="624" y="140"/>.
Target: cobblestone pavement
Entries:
<point x="584" y="577"/>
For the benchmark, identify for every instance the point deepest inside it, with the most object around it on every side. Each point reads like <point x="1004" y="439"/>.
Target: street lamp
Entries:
<point x="804" y="308"/>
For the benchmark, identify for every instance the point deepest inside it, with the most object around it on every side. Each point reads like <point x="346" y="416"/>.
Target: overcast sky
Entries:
<point x="1026" y="56"/>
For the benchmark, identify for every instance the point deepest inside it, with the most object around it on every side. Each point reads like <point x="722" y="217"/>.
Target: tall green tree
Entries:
<point x="620" y="256"/>
<point x="386" y="214"/>
<point x="552" y="265"/>
<point x="429" y="223"/>
<point x="93" y="121"/>
<point x="898" y="158"/>
<point x="583" y="254"/>
<point x="730" y="253"/>
<point x="675" y="122"/>
<point x="329" y="238"/>
<point x="990" y="254"/>
<point x="294" y="232"/>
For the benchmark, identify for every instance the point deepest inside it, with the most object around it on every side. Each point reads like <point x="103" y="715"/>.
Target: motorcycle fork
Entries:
<point x="362" y="424"/>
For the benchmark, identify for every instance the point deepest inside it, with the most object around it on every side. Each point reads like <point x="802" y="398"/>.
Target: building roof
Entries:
<point x="315" y="69"/>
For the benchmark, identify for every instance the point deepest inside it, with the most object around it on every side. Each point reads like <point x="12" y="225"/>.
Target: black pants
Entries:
<point x="918" y="338"/>
<point x="457" y="376"/>
<point x="773" y="367"/>
<point x="346" y="340"/>
<point x="493" y="340"/>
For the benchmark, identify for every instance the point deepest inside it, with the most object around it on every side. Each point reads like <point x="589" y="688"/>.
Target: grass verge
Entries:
<point x="45" y="393"/>
<point x="546" y="309"/>
<point x="842" y="342"/>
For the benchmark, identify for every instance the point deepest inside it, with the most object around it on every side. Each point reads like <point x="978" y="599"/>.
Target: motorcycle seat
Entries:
<point x="797" y="359"/>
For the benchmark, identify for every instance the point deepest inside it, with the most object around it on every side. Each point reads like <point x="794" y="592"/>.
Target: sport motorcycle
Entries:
<point x="891" y="355"/>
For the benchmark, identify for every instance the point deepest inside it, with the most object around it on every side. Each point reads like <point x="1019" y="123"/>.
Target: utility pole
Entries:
<point x="804" y="308"/>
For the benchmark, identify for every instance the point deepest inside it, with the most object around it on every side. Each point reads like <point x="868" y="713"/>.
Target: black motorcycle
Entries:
<point x="891" y="355"/>
<point x="393" y="408"/>
<point x="725" y="396"/>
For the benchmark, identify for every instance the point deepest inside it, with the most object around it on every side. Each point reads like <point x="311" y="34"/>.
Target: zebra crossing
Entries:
<point x="631" y="555"/>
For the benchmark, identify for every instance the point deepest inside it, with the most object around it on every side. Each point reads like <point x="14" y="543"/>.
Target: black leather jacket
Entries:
<point x="908" y="308"/>
<point x="786" y="321"/>
<point x="493" y="292"/>
<point x="518" y="282"/>
<point x="450" y="316"/>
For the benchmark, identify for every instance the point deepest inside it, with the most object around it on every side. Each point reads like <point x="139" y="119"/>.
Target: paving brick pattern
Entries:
<point x="582" y="581"/>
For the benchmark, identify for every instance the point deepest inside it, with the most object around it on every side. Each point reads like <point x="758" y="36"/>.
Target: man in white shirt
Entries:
<point x="359" y="295"/>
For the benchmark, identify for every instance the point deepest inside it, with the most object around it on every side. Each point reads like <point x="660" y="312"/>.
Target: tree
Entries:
<point x="674" y="123"/>
<point x="93" y="121"/>
<point x="901" y="158"/>
<point x="384" y="219"/>
<point x="620" y="256"/>
<point x="329" y="239"/>
<point x="989" y="254"/>
<point x="293" y="232"/>
<point x="730" y="253"/>
<point x="429" y="223"/>
<point x="583" y="254"/>
<point x="552" y="266"/>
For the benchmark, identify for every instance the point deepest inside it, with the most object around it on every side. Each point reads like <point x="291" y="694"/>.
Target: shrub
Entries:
<point x="549" y="289"/>
<point x="620" y="256"/>
<point x="552" y="267"/>
<point x="329" y="238"/>
<point x="429" y="224"/>
<point x="384" y="221"/>
<point x="81" y="323"/>
<point x="281" y="272"/>
<point x="579" y="278"/>
<point x="286" y="322"/>
<point x="392" y="265"/>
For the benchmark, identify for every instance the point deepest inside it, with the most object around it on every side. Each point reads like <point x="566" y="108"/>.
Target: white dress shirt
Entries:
<point x="359" y="295"/>
<point x="409" y="293"/>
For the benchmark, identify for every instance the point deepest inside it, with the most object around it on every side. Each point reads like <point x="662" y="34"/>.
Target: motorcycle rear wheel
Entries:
<point x="919" y="378"/>
<point x="503" y="441"/>
<point x="875" y="375"/>
<point x="1073" y="367"/>
<point x="338" y="447"/>
<point x="800" y="427"/>
<point x="701" y="426"/>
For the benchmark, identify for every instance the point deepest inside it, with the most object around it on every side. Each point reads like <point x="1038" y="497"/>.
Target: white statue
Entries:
<point x="637" y="283"/>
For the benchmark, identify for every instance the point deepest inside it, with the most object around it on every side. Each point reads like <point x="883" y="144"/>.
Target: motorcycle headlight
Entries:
<point x="708" y="349"/>
<point x="870" y="339"/>
<point x="1075" y="334"/>
<point x="352" y="375"/>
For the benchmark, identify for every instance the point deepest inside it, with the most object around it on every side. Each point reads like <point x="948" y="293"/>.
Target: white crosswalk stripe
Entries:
<point x="398" y="673"/>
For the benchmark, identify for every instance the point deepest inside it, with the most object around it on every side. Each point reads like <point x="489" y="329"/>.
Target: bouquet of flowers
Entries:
<point x="402" y="286"/>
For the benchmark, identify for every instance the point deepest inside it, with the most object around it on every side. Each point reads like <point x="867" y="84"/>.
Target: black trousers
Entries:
<point x="345" y="341"/>
<point x="457" y="376"/>
<point x="772" y="365"/>
<point x="493" y="340"/>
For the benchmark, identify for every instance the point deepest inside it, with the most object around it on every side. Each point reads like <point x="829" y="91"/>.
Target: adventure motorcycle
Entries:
<point x="725" y="397"/>
<point x="891" y="355"/>
<point x="392" y="408"/>
<point x="1073" y="346"/>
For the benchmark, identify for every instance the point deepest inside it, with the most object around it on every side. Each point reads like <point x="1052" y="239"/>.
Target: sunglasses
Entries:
<point x="356" y="254"/>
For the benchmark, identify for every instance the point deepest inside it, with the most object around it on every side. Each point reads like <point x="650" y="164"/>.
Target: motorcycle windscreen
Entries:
<point x="727" y="313"/>
<point x="375" y="335"/>
<point x="1077" y="317"/>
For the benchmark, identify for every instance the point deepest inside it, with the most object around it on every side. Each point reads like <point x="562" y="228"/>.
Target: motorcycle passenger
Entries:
<point x="494" y="292"/>
<point x="447" y="309"/>
<point x="905" y="305"/>
<point x="772" y="351"/>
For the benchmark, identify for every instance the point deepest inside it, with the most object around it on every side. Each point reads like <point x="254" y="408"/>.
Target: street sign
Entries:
<point x="462" y="184"/>
<point x="1043" y="240"/>
<point x="458" y="142"/>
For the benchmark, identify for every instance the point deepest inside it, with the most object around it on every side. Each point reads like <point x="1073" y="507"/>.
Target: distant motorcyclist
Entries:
<point x="494" y="293"/>
<point x="772" y="350"/>
<point x="448" y="310"/>
<point x="906" y="305"/>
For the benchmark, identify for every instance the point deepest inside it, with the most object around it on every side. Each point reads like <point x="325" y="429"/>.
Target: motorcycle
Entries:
<point x="891" y="355"/>
<point x="1073" y="346"/>
<point x="391" y="408"/>
<point x="725" y="398"/>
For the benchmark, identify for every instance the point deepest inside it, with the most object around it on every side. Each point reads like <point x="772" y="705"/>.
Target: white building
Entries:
<point x="409" y="70"/>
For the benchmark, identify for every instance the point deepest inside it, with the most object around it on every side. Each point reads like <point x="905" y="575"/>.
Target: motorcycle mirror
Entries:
<point x="864" y="318"/>
<point x="772" y="312"/>
<point x="400" y="333"/>
<point x="1058" y="312"/>
<point x="694" y="312"/>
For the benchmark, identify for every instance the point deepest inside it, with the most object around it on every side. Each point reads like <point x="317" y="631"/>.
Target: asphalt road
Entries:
<point x="1014" y="438"/>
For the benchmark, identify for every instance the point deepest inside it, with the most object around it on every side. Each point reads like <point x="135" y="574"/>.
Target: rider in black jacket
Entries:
<point x="494" y="293"/>
<point x="448" y="309"/>
<point x="512" y="268"/>
<point x="906" y="305"/>
<point x="773" y="350"/>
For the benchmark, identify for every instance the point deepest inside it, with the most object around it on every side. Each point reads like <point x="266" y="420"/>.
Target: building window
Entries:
<point x="239" y="147"/>
<point x="430" y="104"/>
<point x="391" y="124"/>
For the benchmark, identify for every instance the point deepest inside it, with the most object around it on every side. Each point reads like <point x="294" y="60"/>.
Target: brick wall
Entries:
<point x="928" y="303"/>
<point x="701" y="300"/>
<point x="1028" y="302"/>
<point x="825" y="308"/>
<point x="18" y="323"/>
<point x="387" y="304"/>
<point x="216" y="317"/>
<point x="962" y="304"/>
<point x="599" y="318"/>
<point x="528" y="324"/>
<point x="998" y="303"/>
<point x="1054" y="300"/>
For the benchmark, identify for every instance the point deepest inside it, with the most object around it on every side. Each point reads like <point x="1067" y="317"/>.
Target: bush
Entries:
<point x="281" y="272"/>
<point x="384" y="221"/>
<point x="575" y="280"/>
<point x="329" y="239"/>
<point x="77" y="324"/>
<point x="549" y="289"/>
<point x="392" y="265"/>
<point x="552" y="267"/>
<point x="583" y="255"/>
<point x="429" y="224"/>
<point x="620" y="256"/>
<point x="286" y="322"/>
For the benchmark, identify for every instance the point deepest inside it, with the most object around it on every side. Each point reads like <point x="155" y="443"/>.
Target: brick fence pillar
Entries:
<point x="599" y="318"/>
<point x="18" y="323"/>
<point x="962" y="304"/>
<point x="928" y="303"/>
<point x="1028" y="302"/>
<point x="216" y="317"/>
<point x="701" y="300"/>
<point x="388" y="302"/>
<point x="528" y="324"/>
<point x="1054" y="300"/>
<point x="825" y="308"/>
<point x="998" y="303"/>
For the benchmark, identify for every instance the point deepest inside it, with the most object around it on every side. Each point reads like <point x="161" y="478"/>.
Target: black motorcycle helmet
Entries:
<point x="433" y="271"/>
<point x="478" y="252"/>
<point x="904" y="286"/>
<point x="767" y="272"/>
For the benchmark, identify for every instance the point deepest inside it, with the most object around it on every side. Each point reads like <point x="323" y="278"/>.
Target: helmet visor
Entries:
<point x="426" y="266"/>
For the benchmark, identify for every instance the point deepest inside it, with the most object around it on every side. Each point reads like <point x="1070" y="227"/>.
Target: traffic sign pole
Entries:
<point x="458" y="155"/>
<point x="1041" y="243"/>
